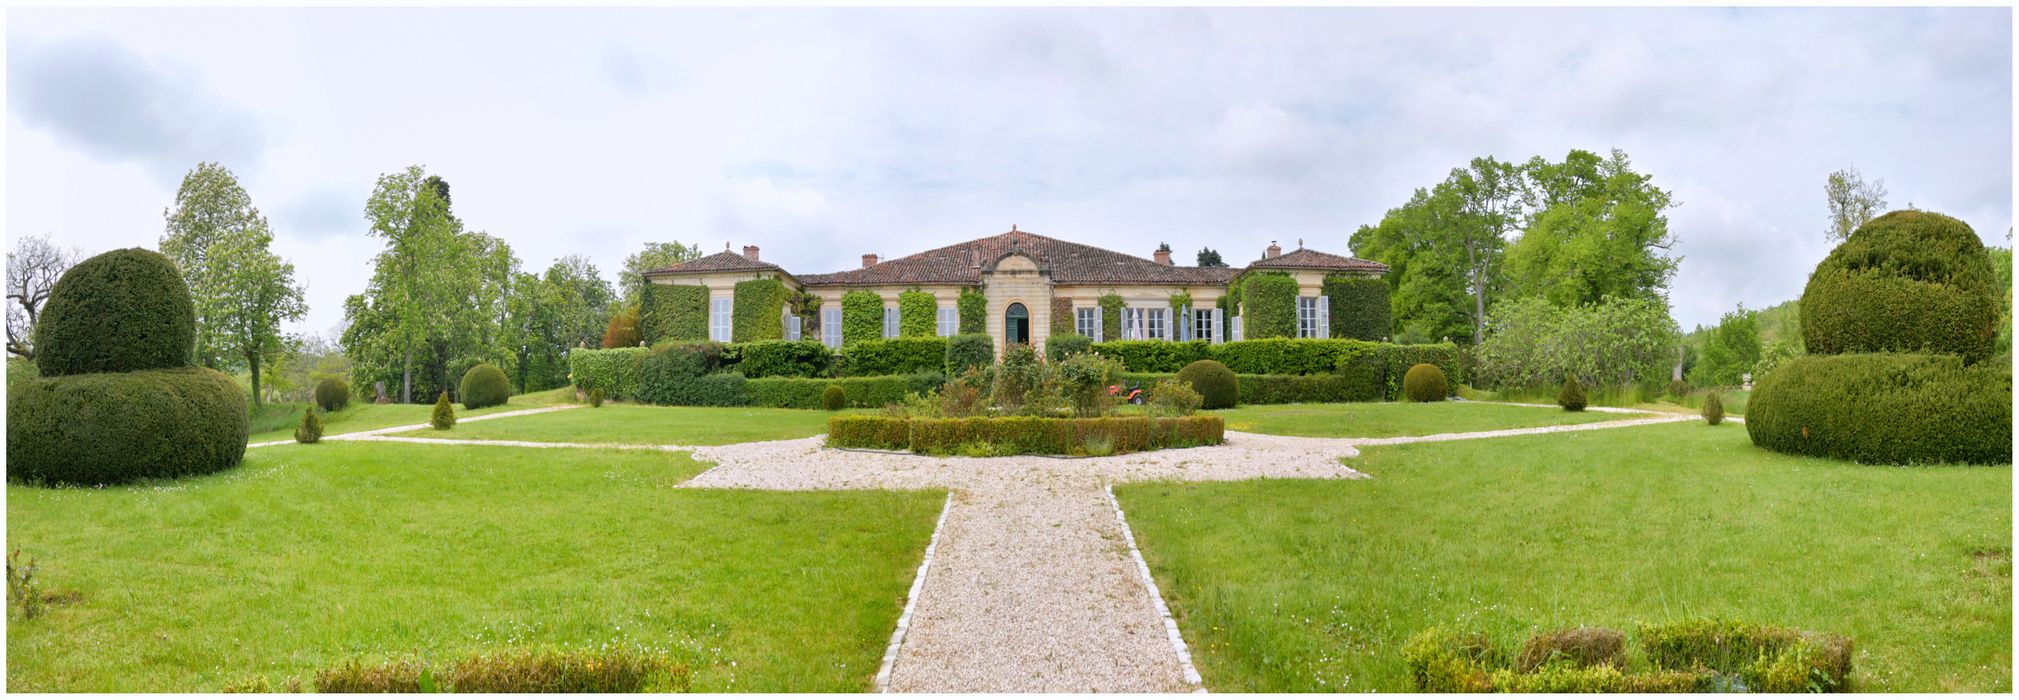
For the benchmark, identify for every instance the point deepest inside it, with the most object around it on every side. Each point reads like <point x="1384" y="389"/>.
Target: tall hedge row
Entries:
<point x="871" y="358"/>
<point x="614" y="370"/>
<point x="759" y="311"/>
<point x="114" y="427"/>
<point x="118" y="311"/>
<point x="1909" y="281"/>
<point x="1360" y="307"/>
<point x="1269" y="306"/>
<point x="1885" y="409"/>
<point x="675" y="312"/>
<point x="917" y="314"/>
<point x="779" y="358"/>
<point x="861" y="317"/>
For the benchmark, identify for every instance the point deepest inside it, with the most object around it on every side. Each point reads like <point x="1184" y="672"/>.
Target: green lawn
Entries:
<point x="277" y="421"/>
<point x="1301" y="585"/>
<point x="647" y="425"/>
<point x="1396" y="419"/>
<point x="309" y="555"/>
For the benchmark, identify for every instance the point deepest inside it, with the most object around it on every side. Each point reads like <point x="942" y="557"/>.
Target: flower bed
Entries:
<point x="1019" y="435"/>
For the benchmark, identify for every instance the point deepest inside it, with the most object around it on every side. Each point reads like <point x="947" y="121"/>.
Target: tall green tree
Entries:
<point x="1210" y="258"/>
<point x="241" y="290"/>
<point x="1602" y="235"/>
<point x="1444" y="249"/>
<point x="631" y="279"/>
<point x="1852" y="202"/>
<point x="411" y="299"/>
<point x="1729" y="351"/>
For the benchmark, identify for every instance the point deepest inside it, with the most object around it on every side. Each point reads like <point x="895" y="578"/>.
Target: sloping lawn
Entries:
<point x="308" y="555"/>
<point x="1397" y="419"/>
<point x="647" y="425"/>
<point x="1286" y="585"/>
<point x="277" y="421"/>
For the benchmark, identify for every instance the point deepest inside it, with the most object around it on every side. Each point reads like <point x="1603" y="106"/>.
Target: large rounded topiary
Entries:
<point x="1885" y="409"/>
<point x="485" y="385"/>
<point x="1425" y="383"/>
<point x="119" y="311"/>
<point x="332" y="394"/>
<point x="108" y="428"/>
<point x="1909" y="281"/>
<point x="1216" y="384"/>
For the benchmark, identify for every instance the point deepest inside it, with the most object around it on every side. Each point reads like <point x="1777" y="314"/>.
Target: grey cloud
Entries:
<point x="117" y="106"/>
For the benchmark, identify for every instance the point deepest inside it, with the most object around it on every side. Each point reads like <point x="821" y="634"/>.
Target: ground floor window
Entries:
<point x="830" y="327"/>
<point x="1157" y="324"/>
<point x="1307" y="317"/>
<point x="720" y="318"/>
<point x="1087" y="322"/>
<point x="949" y="320"/>
<point x="890" y="322"/>
<point x="1202" y="324"/>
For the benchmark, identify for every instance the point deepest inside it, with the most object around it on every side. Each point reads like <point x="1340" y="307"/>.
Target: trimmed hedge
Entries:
<point x="614" y="370"/>
<point x="1288" y="355"/>
<point x="1269" y="303"/>
<point x="1909" y="281"/>
<point x="758" y="311"/>
<point x="523" y="671"/>
<point x="1885" y="409"/>
<point x="485" y="385"/>
<point x="1024" y="434"/>
<point x="861" y="317"/>
<point x="1156" y="355"/>
<point x="1425" y="383"/>
<point x="1278" y="388"/>
<point x="969" y="350"/>
<point x="115" y="427"/>
<point x="1217" y="385"/>
<point x="917" y="314"/>
<point x="1360" y="307"/>
<point x="1686" y="657"/>
<point x="1062" y="345"/>
<point x="861" y="392"/>
<point x="676" y="312"/>
<point x="1768" y="659"/>
<point x="332" y="394"/>
<point x="684" y="375"/>
<point x="973" y="307"/>
<point x="117" y="311"/>
<point x="870" y="358"/>
<point x="779" y="358"/>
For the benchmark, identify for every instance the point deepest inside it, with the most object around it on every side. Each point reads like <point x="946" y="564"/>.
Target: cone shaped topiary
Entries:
<point x="596" y="397"/>
<point x="833" y="398"/>
<point x="1714" y="409"/>
<point x="1572" y="396"/>
<point x="1425" y="383"/>
<point x="445" y="413"/>
<point x="310" y="430"/>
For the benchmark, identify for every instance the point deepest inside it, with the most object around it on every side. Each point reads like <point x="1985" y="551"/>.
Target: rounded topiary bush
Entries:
<point x="1425" y="383"/>
<point x="833" y="398"/>
<point x="118" y="311"/>
<point x="1572" y="396"/>
<point x="485" y="385"/>
<point x="1216" y="384"/>
<point x="1885" y="409"/>
<point x="1063" y="345"/>
<point x="108" y="428"/>
<point x="1909" y="281"/>
<point x="332" y="394"/>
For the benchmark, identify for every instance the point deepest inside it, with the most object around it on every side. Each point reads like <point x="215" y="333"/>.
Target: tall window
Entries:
<point x="1087" y="322"/>
<point x="1132" y="323"/>
<point x="1202" y="324"/>
<point x="1307" y="317"/>
<point x="830" y="327"/>
<point x="949" y="320"/>
<point x="719" y="319"/>
<point x="890" y="322"/>
<point x="1156" y="324"/>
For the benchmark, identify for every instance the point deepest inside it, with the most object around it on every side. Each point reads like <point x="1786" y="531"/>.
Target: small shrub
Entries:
<point x="1085" y="378"/>
<point x="1582" y="647"/>
<point x="1171" y="397"/>
<point x="310" y="430"/>
<point x="1017" y="378"/>
<point x="622" y="330"/>
<point x="404" y="676"/>
<point x="118" y="311"/>
<point x="1217" y="385"/>
<point x="1678" y="388"/>
<point x="833" y="398"/>
<point x="1063" y="345"/>
<point x="23" y="591"/>
<point x="444" y="417"/>
<point x="1425" y="383"/>
<point x="596" y="397"/>
<point x="965" y="395"/>
<point x="969" y="350"/>
<point x="332" y="394"/>
<point x="1572" y="396"/>
<point x="1445" y="661"/>
<point x="485" y="385"/>
<point x="1764" y="658"/>
<point x="1714" y="408"/>
<point x="608" y="671"/>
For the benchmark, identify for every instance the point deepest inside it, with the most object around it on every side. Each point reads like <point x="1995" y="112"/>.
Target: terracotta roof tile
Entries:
<point x="1304" y="258"/>
<point x="1068" y="263"/>
<point x="725" y="261"/>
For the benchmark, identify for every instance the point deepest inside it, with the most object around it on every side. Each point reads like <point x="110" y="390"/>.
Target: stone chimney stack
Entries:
<point x="1274" y="250"/>
<point x="868" y="259"/>
<point x="1163" y="256"/>
<point x="750" y="251"/>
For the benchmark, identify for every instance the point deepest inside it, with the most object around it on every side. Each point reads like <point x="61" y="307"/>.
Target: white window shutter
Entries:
<point x="1219" y="325"/>
<point x="1324" y="317"/>
<point x="1100" y="324"/>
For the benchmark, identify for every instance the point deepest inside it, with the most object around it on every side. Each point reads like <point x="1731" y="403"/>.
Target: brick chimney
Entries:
<point x="750" y="251"/>
<point x="1274" y="250"/>
<point x="868" y="259"/>
<point x="1162" y="256"/>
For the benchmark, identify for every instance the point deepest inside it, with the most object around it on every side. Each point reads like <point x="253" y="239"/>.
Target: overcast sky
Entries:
<point x="821" y="135"/>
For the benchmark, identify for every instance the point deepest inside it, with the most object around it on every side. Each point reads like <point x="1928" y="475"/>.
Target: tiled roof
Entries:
<point x="1306" y="259"/>
<point x="1068" y="263"/>
<point x="725" y="261"/>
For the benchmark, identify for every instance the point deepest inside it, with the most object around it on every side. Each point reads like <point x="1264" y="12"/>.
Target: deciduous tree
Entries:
<point x="1852" y="202"/>
<point x="33" y="267"/>
<point x="241" y="290"/>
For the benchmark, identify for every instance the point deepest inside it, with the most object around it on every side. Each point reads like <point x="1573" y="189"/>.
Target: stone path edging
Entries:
<point x="1143" y="568"/>
<point x="911" y="600"/>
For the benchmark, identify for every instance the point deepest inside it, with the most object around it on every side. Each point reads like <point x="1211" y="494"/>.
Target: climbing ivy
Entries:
<point x="677" y="312"/>
<point x="861" y="316"/>
<point x="1270" y="303"/>
<point x="917" y="314"/>
<point x="759" y="311"/>
<point x="1111" y="316"/>
<point x="973" y="311"/>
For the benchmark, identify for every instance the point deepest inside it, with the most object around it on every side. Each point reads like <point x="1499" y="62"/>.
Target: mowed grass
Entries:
<point x="646" y="425"/>
<point x="1301" y="585"/>
<point x="272" y="422"/>
<point x="309" y="555"/>
<point x="1397" y="419"/>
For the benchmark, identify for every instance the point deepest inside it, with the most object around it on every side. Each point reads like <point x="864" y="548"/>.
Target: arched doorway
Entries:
<point x="1016" y="324"/>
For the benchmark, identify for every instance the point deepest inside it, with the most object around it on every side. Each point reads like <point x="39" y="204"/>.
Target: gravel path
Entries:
<point x="366" y="434"/>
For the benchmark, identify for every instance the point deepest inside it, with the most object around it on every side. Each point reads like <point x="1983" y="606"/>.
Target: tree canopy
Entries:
<point x="241" y="290"/>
